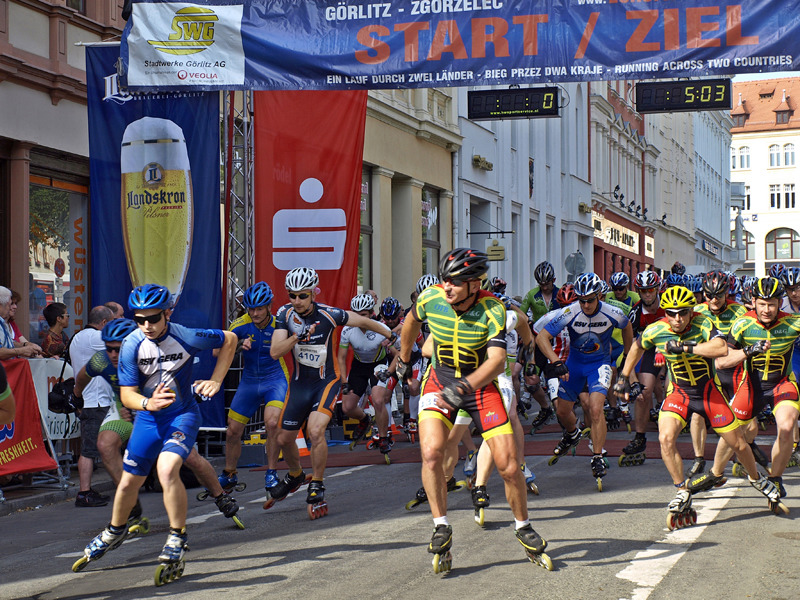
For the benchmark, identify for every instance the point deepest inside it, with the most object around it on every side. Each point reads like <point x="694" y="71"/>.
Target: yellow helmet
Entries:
<point x="767" y="288"/>
<point x="677" y="297"/>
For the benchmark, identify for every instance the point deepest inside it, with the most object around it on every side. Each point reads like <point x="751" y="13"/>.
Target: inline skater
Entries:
<point x="541" y="299"/>
<point x="723" y="312"/>
<point x="619" y="283"/>
<point x="468" y="328"/>
<point x="588" y="365"/>
<point x="689" y="342"/>
<point x="264" y="381"/>
<point x="644" y="312"/>
<point x="155" y="378"/>
<point x="370" y="350"/>
<point x="115" y="431"/>
<point x="791" y="305"/>
<point x="306" y="328"/>
<point x="763" y="339"/>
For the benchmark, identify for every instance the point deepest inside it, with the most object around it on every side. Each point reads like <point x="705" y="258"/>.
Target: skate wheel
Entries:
<point x="240" y="487"/>
<point x="462" y="484"/>
<point x="621" y="462"/>
<point x="442" y="563"/>
<point x="317" y="510"/>
<point x="412" y="504"/>
<point x="542" y="560"/>
<point x="80" y="564"/>
<point x="779" y="508"/>
<point x="737" y="470"/>
<point x="629" y="427"/>
<point x="599" y="484"/>
<point x="533" y="488"/>
<point x="370" y="445"/>
<point x="693" y="516"/>
<point x="386" y="459"/>
<point x="163" y="574"/>
<point x="480" y="517"/>
<point x="203" y="495"/>
<point x="471" y="481"/>
<point x="554" y="459"/>
<point x="671" y="522"/>
<point x="237" y="521"/>
<point x="269" y="503"/>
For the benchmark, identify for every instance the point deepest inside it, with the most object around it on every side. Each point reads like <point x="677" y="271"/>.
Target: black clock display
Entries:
<point x="673" y="96"/>
<point x="527" y="103"/>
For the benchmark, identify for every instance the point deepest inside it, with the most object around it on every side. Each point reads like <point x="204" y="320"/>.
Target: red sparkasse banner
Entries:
<point x="309" y="147"/>
<point x="22" y="448"/>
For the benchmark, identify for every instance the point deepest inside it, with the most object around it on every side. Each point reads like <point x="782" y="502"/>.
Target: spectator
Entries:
<point x="116" y="309"/>
<point x="8" y="347"/>
<point x="7" y="405"/>
<point x="97" y="397"/>
<point x="56" y="340"/>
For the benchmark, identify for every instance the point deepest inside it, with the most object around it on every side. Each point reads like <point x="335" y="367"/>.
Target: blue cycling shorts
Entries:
<point x="154" y="433"/>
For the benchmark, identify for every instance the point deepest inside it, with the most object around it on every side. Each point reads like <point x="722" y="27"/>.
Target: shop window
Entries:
<point x="431" y="245"/>
<point x="782" y="244"/>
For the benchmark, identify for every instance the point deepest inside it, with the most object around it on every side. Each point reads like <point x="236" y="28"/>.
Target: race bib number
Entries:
<point x="428" y="401"/>
<point x="552" y="387"/>
<point x="310" y="355"/>
<point x="506" y="390"/>
<point x="604" y="375"/>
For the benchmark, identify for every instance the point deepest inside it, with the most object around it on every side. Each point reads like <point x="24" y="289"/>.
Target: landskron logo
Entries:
<point x="193" y="32"/>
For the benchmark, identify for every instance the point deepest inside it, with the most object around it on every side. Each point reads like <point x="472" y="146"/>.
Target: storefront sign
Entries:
<point x="711" y="248"/>
<point x="615" y="234"/>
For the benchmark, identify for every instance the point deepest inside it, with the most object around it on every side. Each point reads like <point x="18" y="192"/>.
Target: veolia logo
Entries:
<point x="193" y="32"/>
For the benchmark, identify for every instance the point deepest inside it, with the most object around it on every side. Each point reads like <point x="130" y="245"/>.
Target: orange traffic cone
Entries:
<point x="301" y="444"/>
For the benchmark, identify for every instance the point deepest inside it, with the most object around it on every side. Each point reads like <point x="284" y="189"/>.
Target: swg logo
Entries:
<point x="193" y="32"/>
<point x="312" y="237"/>
<point x="7" y="432"/>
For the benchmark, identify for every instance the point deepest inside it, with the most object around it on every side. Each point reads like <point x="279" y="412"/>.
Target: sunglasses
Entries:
<point x="678" y="313"/>
<point x="152" y="319"/>
<point x="719" y="296"/>
<point x="452" y="281"/>
<point x="587" y="300"/>
<point x="302" y="296"/>
<point x="619" y="289"/>
<point x="111" y="349"/>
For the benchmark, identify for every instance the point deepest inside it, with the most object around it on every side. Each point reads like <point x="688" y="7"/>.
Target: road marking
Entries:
<point x="205" y="517"/>
<point x="345" y="472"/>
<point x="649" y="567"/>
<point x="79" y="554"/>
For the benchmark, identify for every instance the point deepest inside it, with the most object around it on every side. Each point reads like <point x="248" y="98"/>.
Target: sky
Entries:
<point x="773" y="75"/>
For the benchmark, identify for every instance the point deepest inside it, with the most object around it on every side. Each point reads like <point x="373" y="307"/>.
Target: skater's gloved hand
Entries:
<point x="530" y="369"/>
<point x="613" y="415"/>
<point x="680" y="347"/>
<point x="305" y="334"/>
<point x="403" y="369"/>
<point x="659" y="360"/>
<point x="622" y="388"/>
<point x="559" y="369"/>
<point x="455" y="394"/>
<point x="636" y="390"/>
<point x="383" y="375"/>
<point x="76" y="401"/>
<point x="345" y="388"/>
<point x="759" y="347"/>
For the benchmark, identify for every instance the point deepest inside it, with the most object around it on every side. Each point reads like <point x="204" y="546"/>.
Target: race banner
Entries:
<point x="362" y="44"/>
<point x="308" y="190"/>
<point x="154" y="162"/>
<point x="22" y="448"/>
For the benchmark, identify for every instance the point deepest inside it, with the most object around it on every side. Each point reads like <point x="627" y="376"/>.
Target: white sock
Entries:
<point x="520" y="524"/>
<point x="440" y="521"/>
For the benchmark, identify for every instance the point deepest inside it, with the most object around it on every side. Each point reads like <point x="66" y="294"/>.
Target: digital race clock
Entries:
<point x="527" y="103"/>
<point x="673" y="96"/>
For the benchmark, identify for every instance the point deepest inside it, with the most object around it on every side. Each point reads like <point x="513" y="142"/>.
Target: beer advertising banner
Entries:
<point x="363" y="44"/>
<point x="22" y="448"/>
<point x="308" y="189"/>
<point x="154" y="163"/>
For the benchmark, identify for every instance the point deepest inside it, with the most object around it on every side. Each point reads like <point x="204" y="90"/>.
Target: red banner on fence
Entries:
<point x="308" y="152"/>
<point x="22" y="448"/>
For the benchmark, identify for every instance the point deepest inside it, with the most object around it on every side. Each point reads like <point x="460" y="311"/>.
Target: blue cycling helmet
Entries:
<point x="673" y="279"/>
<point x="117" y="330"/>
<point x="777" y="270"/>
<point x="149" y="296"/>
<point x="258" y="294"/>
<point x="791" y="277"/>
<point x="619" y="280"/>
<point x="695" y="284"/>
<point x="587" y="284"/>
<point x="604" y="287"/>
<point x="390" y="308"/>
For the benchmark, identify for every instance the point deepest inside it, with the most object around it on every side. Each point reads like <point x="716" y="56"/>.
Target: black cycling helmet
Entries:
<point x="767" y="288"/>
<point x="715" y="283"/>
<point x="544" y="273"/>
<point x="258" y="294"/>
<point x="117" y="330"/>
<point x="463" y="264"/>
<point x="678" y="269"/>
<point x="149" y="296"/>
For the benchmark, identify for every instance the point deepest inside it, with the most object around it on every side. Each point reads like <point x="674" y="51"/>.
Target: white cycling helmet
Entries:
<point x="302" y="278"/>
<point x="362" y="302"/>
<point x="426" y="281"/>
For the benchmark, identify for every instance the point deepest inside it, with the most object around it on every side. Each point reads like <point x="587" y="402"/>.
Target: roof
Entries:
<point x="760" y="100"/>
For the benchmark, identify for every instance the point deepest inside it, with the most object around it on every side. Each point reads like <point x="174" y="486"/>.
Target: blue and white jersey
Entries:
<point x="589" y="335"/>
<point x="145" y="363"/>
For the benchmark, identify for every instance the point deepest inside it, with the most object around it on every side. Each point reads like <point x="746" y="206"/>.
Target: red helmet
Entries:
<point x="648" y="280"/>
<point x="566" y="294"/>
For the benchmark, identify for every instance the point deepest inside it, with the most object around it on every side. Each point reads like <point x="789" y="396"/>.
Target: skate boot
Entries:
<point x="653" y="415"/>
<point x="227" y="506"/>
<point x="604" y="452"/>
<point x="705" y="482"/>
<point x="364" y="426"/>
<point x="270" y="479"/>
<point x="108" y="539"/>
<point x="534" y="546"/>
<point x="624" y="408"/>
<point x="698" y="466"/>
<point x="441" y="542"/>
<point x="772" y="492"/>
<point x="681" y="514"/>
<point x="778" y="483"/>
<point x="137" y="524"/>
<point x="171" y="557"/>
<point x="229" y="481"/>
<point x="568" y="441"/>
<point x="420" y="498"/>
<point x="599" y="470"/>
<point x="530" y="477"/>
<point x="385" y="448"/>
<point x="470" y="464"/>
<point x="633" y="453"/>
<point x="480" y="500"/>
<point x="542" y="419"/>
<point x="794" y="459"/>
<point x="317" y="507"/>
<point x="760" y="457"/>
<point x="411" y="432"/>
<point x="288" y="485"/>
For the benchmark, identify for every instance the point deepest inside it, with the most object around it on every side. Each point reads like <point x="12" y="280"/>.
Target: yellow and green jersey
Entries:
<point x="725" y="319"/>
<point x="776" y="363"/>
